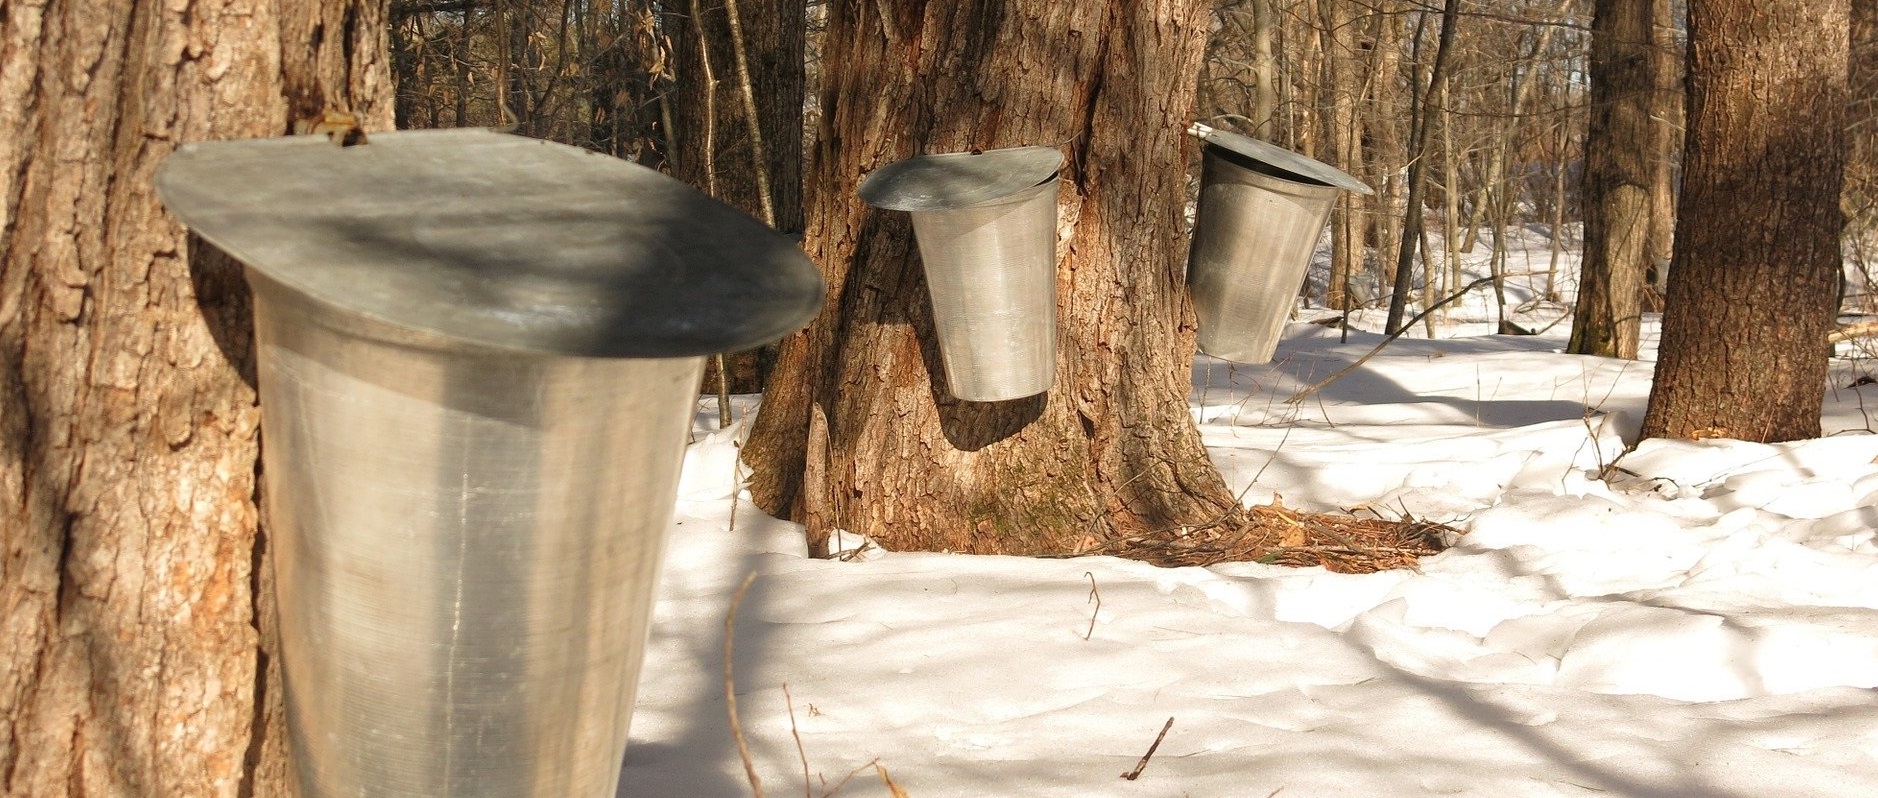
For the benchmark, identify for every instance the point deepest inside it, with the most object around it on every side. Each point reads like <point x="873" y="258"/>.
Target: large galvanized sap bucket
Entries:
<point x="986" y="226"/>
<point x="1262" y="209"/>
<point x="478" y="360"/>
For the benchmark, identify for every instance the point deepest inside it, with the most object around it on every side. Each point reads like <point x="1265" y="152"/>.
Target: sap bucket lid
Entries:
<point x="498" y="240"/>
<point x="1279" y="158"/>
<point x="959" y="179"/>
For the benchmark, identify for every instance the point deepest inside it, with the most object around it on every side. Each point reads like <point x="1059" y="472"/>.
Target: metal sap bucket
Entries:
<point x="478" y="361"/>
<point x="1262" y="209"/>
<point x="986" y="226"/>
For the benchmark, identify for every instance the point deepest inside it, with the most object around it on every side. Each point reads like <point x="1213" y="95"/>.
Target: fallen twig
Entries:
<point x="888" y="780"/>
<point x="1325" y="382"/>
<point x="808" y="789"/>
<point x="1143" y="764"/>
<point x="730" y="686"/>
<point x="1095" y="596"/>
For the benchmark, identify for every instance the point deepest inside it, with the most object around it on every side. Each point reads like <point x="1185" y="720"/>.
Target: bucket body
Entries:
<point x="467" y="542"/>
<point x="1254" y="233"/>
<point x="991" y="270"/>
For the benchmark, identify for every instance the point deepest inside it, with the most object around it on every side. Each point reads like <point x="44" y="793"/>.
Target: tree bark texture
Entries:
<point x="1753" y="288"/>
<point x="1621" y="151"/>
<point x="133" y="615"/>
<point x="857" y="431"/>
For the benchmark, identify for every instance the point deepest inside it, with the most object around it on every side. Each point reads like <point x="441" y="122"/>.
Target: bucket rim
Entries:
<point x="498" y="240"/>
<point x="1281" y="159"/>
<point x="958" y="180"/>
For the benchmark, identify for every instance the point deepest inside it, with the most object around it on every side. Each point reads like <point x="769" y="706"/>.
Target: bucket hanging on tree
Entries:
<point x="1262" y="210"/>
<point x="986" y="227"/>
<point x="478" y="362"/>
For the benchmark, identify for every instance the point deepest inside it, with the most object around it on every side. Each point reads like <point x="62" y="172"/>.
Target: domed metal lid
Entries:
<point x="959" y="179"/>
<point x="1280" y="158"/>
<point x="498" y="240"/>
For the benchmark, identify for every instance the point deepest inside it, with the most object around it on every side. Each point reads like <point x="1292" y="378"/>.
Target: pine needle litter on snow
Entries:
<point x="1278" y="535"/>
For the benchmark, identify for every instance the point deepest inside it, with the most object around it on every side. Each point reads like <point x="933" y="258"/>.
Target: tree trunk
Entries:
<point x="712" y="146"/>
<point x="857" y="431"/>
<point x="1343" y="65"/>
<point x="1621" y="152"/>
<point x="1754" y="283"/>
<point x="773" y="32"/>
<point x="1388" y="148"/>
<point x="134" y="607"/>
<point x="1403" y="281"/>
<point x="1666" y="57"/>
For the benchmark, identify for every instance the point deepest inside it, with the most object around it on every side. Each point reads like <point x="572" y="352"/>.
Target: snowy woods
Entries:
<point x="1634" y="432"/>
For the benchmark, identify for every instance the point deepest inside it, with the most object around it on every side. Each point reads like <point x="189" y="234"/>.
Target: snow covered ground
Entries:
<point x="1703" y="623"/>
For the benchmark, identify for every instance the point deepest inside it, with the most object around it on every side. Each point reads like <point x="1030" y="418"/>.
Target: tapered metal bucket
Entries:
<point x="986" y="227"/>
<point x="1261" y="211"/>
<point x="478" y="358"/>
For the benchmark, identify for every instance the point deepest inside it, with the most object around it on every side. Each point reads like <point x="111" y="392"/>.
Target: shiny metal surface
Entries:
<point x="986" y="228"/>
<point x="466" y="544"/>
<point x="501" y="240"/>
<point x="960" y="179"/>
<point x="1254" y="233"/>
<point x="468" y="482"/>
<point x="1278" y="161"/>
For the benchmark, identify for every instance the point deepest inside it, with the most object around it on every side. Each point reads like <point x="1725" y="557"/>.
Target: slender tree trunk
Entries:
<point x="1389" y="143"/>
<point x="1666" y="56"/>
<point x="773" y="32"/>
<point x="1345" y="98"/>
<point x="1264" y="68"/>
<point x="1418" y="160"/>
<point x="857" y="431"/>
<point x="1621" y="154"/>
<point x="1755" y="281"/>
<point x="134" y="587"/>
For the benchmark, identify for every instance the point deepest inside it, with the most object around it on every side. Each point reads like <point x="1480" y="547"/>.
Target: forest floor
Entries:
<point x="1679" y="619"/>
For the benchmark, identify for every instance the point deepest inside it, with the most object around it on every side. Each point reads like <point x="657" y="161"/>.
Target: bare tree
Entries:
<point x="1622" y="151"/>
<point x="133" y="577"/>
<point x="1753" y="290"/>
<point x="857" y="431"/>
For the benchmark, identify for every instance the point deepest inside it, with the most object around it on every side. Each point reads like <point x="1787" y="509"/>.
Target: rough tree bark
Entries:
<point x="1621" y="152"/>
<point x="857" y="431"/>
<point x="1753" y="287"/>
<point x="132" y="574"/>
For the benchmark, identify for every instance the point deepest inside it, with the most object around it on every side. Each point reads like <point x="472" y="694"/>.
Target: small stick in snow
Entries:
<point x="808" y="789"/>
<point x="730" y="686"/>
<point x="1325" y="382"/>
<point x="888" y="780"/>
<point x="1095" y="596"/>
<point x="1143" y="764"/>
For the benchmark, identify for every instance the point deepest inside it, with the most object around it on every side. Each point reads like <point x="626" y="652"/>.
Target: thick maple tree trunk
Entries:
<point x="857" y="430"/>
<point x="1621" y="150"/>
<point x="133" y="620"/>
<point x="1753" y="288"/>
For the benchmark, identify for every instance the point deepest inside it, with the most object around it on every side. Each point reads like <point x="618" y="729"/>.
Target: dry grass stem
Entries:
<point x="888" y="780"/>
<point x="730" y="685"/>
<point x="808" y="790"/>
